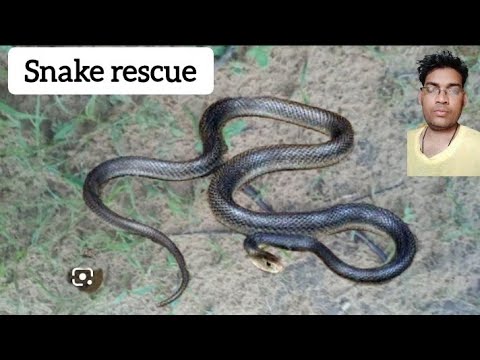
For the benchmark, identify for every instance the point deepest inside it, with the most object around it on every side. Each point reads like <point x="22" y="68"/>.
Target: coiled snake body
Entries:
<point x="292" y="231"/>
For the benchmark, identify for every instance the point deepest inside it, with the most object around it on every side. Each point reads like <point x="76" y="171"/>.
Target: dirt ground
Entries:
<point x="46" y="228"/>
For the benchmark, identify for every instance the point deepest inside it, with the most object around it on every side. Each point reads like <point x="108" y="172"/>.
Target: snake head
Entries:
<point x="260" y="258"/>
<point x="267" y="262"/>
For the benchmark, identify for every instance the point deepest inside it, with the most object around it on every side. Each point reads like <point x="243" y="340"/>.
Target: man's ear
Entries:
<point x="420" y="97"/>
<point x="465" y="99"/>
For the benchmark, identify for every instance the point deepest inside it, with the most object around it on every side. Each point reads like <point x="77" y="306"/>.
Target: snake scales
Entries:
<point x="292" y="231"/>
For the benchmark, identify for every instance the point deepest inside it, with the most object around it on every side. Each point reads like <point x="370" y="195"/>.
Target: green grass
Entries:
<point x="261" y="55"/>
<point x="238" y="67"/>
<point x="5" y="48"/>
<point x="219" y="51"/>
<point x="46" y="207"/>
<point x="233" y="129"/>
<point x="45" y="226"/>
<point x="462" y="224"/>
<point x="409" y="215"/>
<point x="303" y="83"/>
<point x="195" y="120"/>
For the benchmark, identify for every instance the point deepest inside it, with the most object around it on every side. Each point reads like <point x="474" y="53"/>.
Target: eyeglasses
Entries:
<point x="453" y="91"/>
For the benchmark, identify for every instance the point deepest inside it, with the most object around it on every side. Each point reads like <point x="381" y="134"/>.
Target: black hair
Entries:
<point x="440" y="60"/>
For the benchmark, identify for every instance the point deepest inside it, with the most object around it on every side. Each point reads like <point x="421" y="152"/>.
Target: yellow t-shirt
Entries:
<point x="461" y="158"/>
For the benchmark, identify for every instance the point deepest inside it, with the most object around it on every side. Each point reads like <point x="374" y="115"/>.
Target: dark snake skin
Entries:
<point x="293" y="231"/>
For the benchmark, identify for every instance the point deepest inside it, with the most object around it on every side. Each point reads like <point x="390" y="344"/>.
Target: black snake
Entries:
<point x="292" y="231"/>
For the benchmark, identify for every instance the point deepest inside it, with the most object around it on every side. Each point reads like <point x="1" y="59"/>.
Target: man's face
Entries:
<point x="442" y="110"/>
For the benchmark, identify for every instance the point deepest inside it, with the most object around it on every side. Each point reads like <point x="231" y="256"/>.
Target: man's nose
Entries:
<point x="442" y="97"/>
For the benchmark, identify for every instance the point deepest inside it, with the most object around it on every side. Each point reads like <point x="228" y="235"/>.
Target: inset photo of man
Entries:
<point x="442" y="146"/>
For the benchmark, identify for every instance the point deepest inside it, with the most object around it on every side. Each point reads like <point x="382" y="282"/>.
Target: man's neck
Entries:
<point x="435" y="141"/>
